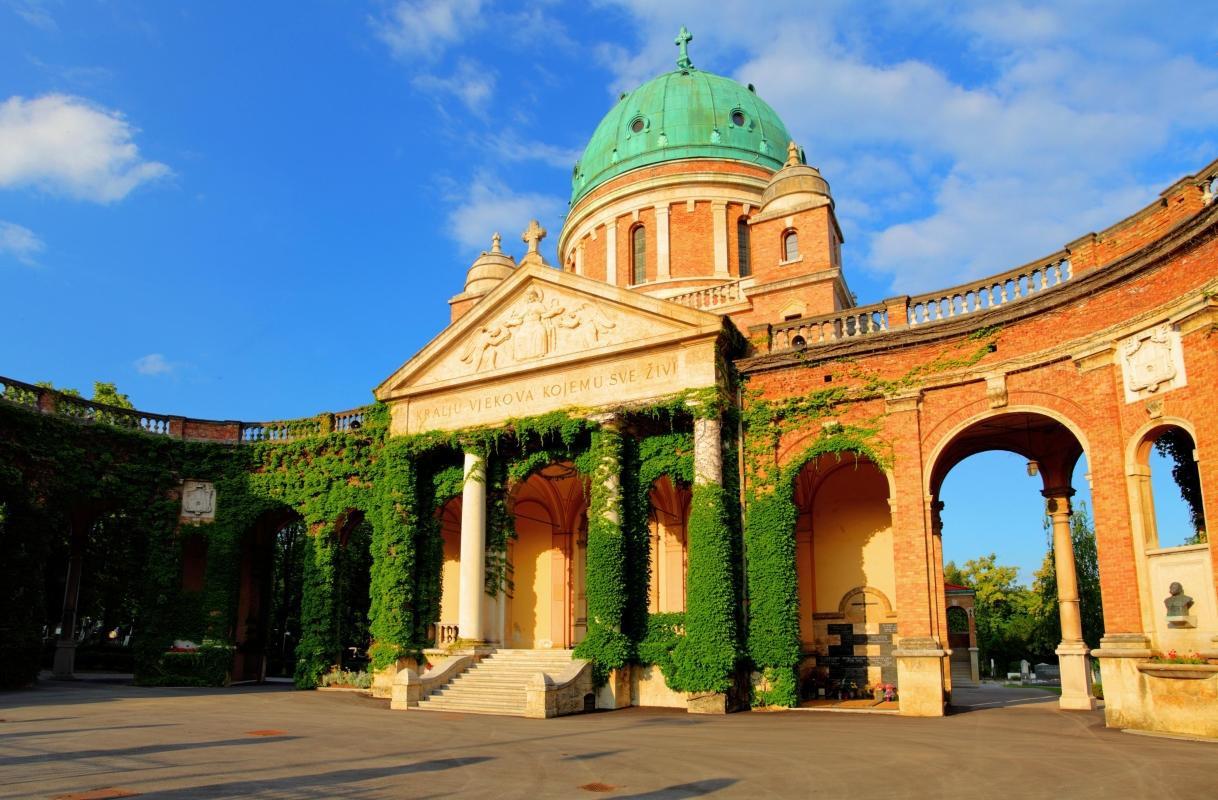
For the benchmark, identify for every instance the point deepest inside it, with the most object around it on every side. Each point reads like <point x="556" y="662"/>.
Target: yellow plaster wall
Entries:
<point x="851" y="536"/>
<point x="528" y="612"/>
<point x="450" y="572"/>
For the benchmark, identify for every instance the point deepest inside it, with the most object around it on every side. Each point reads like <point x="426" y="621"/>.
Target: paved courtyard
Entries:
<point x="94" y="740"/>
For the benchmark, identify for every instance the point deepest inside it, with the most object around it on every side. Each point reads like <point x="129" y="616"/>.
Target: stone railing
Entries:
<point x="710" y="297"/>
<point x="848" y="323"/>
<point x="51" y="401"/>
<point x="289" y="429"/>
<point x="444" y="634"/>
<point x="991" y="292"/>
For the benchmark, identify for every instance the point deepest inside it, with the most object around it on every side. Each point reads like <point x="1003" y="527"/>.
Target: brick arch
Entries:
<point x="934" y="472"/>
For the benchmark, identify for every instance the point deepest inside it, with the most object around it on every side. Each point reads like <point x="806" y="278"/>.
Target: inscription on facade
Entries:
<point x="846" y="663"/>
<point x="611" y="383"/>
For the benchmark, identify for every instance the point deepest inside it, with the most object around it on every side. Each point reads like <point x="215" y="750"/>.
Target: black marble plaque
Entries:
<point x="844" y="665"/>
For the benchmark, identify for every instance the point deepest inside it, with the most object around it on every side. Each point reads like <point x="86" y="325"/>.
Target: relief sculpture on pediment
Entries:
<point x="534" y="329"/>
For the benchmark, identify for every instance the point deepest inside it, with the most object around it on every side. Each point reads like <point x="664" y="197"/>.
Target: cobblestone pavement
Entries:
<point x="92" y="740"/>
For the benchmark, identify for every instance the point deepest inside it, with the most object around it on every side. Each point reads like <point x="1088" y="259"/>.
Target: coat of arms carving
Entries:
<point x="198" y="501"/>
<point x="1151" y="362"/>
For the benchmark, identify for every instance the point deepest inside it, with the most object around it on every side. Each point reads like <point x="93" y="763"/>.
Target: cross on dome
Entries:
<point x="682" y="41"/>
<point x="533" y="235"/>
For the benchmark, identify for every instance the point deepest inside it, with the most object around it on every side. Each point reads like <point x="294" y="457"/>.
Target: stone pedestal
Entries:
<point x="920" y="677"/>
<point x="616" y="691"/>
<point x="1076" y="677"/>
<point x="707" y="703"/>
<point x="64" y="665"/>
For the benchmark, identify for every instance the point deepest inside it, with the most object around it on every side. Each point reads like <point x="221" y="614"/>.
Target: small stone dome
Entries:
<point x="796" y="184"/>
<point x="489" y="269"/>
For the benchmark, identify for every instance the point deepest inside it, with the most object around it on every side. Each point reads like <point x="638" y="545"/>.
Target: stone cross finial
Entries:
<point x="792" y="154"/>
<point x="533" y="235"/>
<point x="682" y="41"/>
<point x="495" y="240"/>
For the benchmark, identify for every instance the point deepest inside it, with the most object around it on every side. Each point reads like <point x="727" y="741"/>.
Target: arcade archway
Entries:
<point x="1051" y="449"/>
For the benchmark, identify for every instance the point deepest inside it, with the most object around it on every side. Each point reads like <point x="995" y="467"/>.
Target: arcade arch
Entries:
<point x="1052" y="448"/>
<point x="846" y="574"/>
<point x="270" y="583"/>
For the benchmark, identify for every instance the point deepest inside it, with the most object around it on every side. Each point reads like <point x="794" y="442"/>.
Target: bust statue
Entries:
<point x="1178" y="603"/>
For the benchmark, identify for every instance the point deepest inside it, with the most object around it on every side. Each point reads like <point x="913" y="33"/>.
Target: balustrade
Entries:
<point x="444" y="634"/>
<point x="846" y="324"/>
<point x="990" y="292"/>
<point x="709" y="297"/>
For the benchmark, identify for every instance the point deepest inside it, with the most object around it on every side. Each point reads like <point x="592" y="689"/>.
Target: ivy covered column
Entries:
<point x="705" y="658"/>
<point x="473" y="550"/>
<point x="605" y="644"/>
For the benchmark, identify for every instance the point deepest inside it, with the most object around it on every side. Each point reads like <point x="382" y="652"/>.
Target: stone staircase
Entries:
<point x="962" y="676"/>
<point x="496" y="684"/>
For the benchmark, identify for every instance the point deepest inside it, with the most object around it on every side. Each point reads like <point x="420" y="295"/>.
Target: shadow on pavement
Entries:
<point x="694" y="789"/>
<point x="141" y="750"/>
<point x="321" y="784"/>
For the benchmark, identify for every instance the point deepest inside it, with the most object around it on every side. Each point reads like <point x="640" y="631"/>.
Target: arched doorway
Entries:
<point x="1048" y="450"/>
<point x="846" y="576"/>
<point x="546" y="604"/>
<point x="669" y="545"/>
<point x="270" y="582"/>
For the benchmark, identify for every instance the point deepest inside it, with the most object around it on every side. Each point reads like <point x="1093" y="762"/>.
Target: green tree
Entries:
<point x="1048" y="630"/>
<point x="109" y="394"/>
<point x="1003" y="611"/>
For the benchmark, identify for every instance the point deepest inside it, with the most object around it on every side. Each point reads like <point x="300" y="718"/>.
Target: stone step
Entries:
<point x="474" y="702"/>
<point x="454" y="689"/>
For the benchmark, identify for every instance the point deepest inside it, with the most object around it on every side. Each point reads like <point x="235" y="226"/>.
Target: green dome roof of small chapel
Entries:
<point x="686" y="113"/>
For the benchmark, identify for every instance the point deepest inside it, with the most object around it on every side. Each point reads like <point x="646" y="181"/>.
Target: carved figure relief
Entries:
<point x="1151" y="362"/>
<point x="534" y="329"/>
<point x="198" y="501"/>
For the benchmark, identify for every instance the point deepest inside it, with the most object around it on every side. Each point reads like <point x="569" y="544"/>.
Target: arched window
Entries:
<point x="1173" y="512"/>
<point x="742" y="247"/>
<point x="790" y="246"/>
<point x="638" y="254"/>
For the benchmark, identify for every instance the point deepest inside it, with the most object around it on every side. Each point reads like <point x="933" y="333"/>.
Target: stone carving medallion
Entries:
<point x="198" y="501"/>
<point x="1152" y="362"/>
<point x="536" y="328"/>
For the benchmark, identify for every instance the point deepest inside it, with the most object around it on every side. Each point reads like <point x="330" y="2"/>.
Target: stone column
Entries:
<point x="663" y="270"/>
<point x="473" y="550"/>
<point x="1072" y="652"/>
<point x="64" y="664"/>
<point x="719" y="236"/>
<point x="939" y="606"/>
<point x="708" y="451"/>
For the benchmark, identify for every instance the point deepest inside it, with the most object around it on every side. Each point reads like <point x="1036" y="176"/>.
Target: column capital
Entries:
<point x="609" y="420"/>
<point x="1057" y="500"/>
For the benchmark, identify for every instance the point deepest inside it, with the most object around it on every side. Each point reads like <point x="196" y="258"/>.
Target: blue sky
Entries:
<point x="258" y="210"/>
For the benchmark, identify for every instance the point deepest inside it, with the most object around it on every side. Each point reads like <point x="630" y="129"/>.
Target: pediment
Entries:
<point x="541" y="318"/>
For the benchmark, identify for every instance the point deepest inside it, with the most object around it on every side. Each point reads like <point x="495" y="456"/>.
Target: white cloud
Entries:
<point x="425" y="28"/>
<point x="487" y="206"/>
<point x="35" y="13"/>
<point x="508" y="147"/>
<point x="153" y="364"/>
<point x="20" y="242"/>
<point x="66" y="145"/>
<point x="471" y="83"/>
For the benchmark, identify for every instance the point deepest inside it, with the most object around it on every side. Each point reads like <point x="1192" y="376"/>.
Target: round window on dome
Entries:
<point x="638" y="124"/>
<point x="738" y="118"/>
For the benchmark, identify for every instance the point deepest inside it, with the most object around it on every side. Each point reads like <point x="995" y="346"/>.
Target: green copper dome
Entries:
<point x="686" y="113"/>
